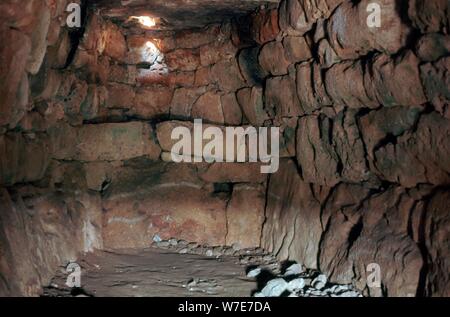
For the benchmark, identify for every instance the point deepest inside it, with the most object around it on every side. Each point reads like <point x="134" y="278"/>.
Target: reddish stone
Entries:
<point x="264" y="26"/>
<point x="54" y="31"/>
<point x="273" y="59"/>
<point x="437" y="243"/>
<point x="315" y="153"/>
<point x="183" y="100"/>
<point x="38" y="38"/>
<point x="24" y="158"/>
<point x="120" y="96"/>
<point x="298" y="16"/>
<point x="21" y="17"/>
<point x="250" y="67"/>
<point x="232" y="113"/>
<point x="327" y="55"/>
<point x="311" y="88"/>
<point x="350" y="36"/>
<point x="433" y="46"/>
<point x="209" y="108"/>
<point x="418" y="157"/>
<point x="397" y="82"/>
<point x="430" y="16"/>
<point x="203" y="76"/>
<point x="252" y="104"/>
<point x="122" y="74"/>
<point x="232" y="173"/>
<point x="181" y="79"/>
<point x="227" y="75"/>
<point x="392" y="121"/>
<point x="371" y="229"/>
<point x="64" y="236"/>
<point x="245" y="216"/>
<point x="115" y="46"/>
<point x="12" y="66"/>
<point x="288" y="133"/>
<point x="436" y="83"/>
<point x="349" y="147"/>
<point x="115" y="142"/>
<point x="183" y="59"/>
<point x="33" y="122"/>
<point x="213" y="53"/>
<point x="57" y="54"/>
<point x="190" y="39"/>
<point x="94" y="103"/>
<point x="152" y="102"/>
<point x="74" y="99"/>
<point x="296" y="49"/>
<point x="157" y="203"/>
<point x="293" y="227"/>
<point x="164" y="133"/>
<point x="281" y="97"/>
<point x="345" y="85"/>
<point x="94" y="38"/>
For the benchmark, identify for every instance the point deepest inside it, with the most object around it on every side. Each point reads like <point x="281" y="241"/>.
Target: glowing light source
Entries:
<point x="154" y="67"/>
<point x="146" y="21"/>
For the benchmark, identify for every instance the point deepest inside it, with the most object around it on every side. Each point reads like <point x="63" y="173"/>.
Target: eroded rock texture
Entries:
<point x="85" y="136"/>
<point x="368" y="159"/>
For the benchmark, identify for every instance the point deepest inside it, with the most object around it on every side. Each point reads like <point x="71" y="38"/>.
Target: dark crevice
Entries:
<point x="76" y="34"/>
<point x="355" y="232"/>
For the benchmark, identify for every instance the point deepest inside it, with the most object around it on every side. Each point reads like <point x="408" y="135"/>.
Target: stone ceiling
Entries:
<point x="178" y="14"/>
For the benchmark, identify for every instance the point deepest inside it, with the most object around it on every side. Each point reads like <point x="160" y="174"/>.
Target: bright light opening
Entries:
<point x="146" y="21"/>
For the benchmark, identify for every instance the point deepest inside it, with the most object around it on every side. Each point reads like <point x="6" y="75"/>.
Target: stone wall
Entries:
<point x="85" y="145"/>
<point x="86" y="117"/>
<point x="370" y="164"/>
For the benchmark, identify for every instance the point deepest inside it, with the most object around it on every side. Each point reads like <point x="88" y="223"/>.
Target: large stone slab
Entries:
<point x="105" y="142"/>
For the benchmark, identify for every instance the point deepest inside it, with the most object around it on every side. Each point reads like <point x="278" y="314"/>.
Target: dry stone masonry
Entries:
<point x="86" y="116"/>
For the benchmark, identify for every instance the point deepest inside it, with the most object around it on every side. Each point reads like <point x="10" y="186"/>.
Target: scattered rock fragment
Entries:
<point x="319" y="282"/>
<point x="254" y="272"/>
<point x="275" y="288"/>
<point x="294" y="269"/>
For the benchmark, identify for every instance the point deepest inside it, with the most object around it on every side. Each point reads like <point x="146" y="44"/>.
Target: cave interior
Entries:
<point x="91" y="92"/>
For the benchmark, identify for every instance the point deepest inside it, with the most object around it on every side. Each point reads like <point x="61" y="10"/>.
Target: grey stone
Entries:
<point x="319" y="282"/>
<point x="275" y="288"/>
<point x="296" y="285"/>
<point x="294" y="269"/>
<point x="173" y="242"/>
<point x="157" y="238"/>
<point x="254" y="273"/>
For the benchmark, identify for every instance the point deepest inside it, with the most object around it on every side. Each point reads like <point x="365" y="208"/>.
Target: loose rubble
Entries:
<point x="296" y="281"/>
<point x="245" y="256"/>
<point x="293" y="281"/>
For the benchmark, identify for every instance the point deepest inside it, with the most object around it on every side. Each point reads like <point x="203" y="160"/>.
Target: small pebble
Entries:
<point x="254" y="273"/>
<point x="294" y="269"/>
<point x="173" y="242"/>
<point x="320" y="281"/>
<point x="275" y="288"/>
<point x="349" y="294"/>
<point x="236" y="247"/>
<point x="163" y="244"/>
<point x="193" y="245"/>
<point x="182" y="243"/>
<point x="157" y="238"/>
<point x="296" y="285"/>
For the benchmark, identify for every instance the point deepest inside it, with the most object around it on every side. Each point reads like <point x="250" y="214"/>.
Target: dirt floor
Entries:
<point x="176" y="268"/>
<point x="156" y="272"/>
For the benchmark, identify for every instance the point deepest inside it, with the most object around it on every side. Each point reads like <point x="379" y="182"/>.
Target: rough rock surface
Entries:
<point x="86" y="120"/>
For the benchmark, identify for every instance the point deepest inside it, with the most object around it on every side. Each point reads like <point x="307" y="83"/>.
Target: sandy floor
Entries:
<point x="156" y="272"/>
